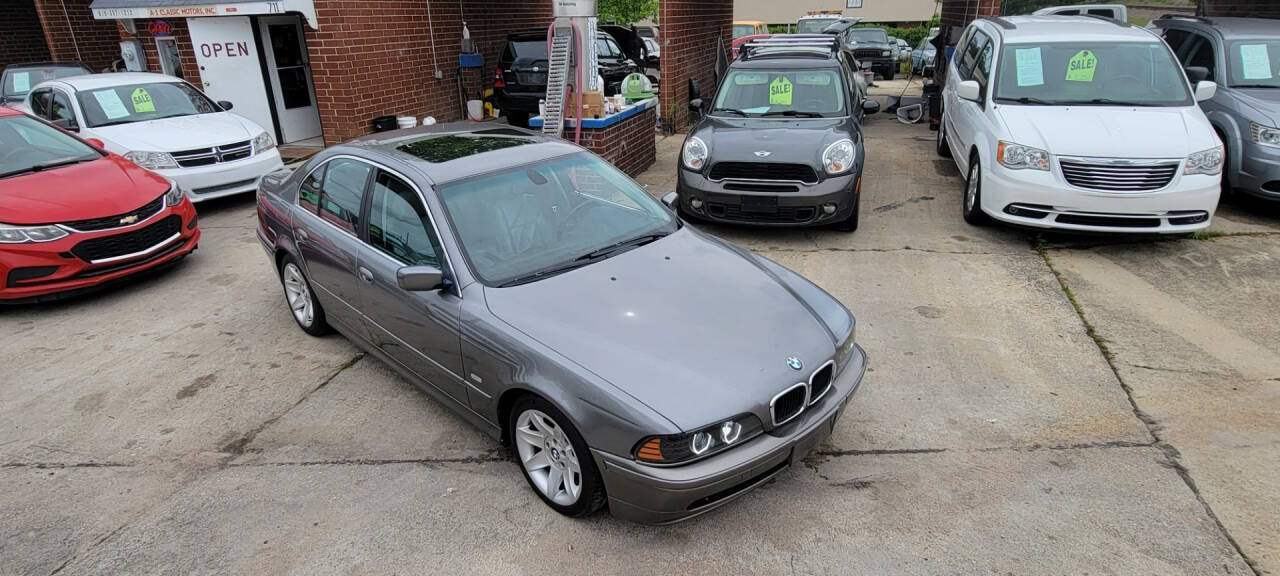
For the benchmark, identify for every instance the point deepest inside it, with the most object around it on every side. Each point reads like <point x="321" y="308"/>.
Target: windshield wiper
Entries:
<point x="1106" y="101"/>
<point x="620" y="246"/>
<point x="583" y="260"/>
<point x="1030" y="100"/>
<point x="1254" y="86"/>
<point x="47" y="165"/>
<point x="545" y="273"/>
<point x="793" y="113"/>
<point x="730" y="110"/>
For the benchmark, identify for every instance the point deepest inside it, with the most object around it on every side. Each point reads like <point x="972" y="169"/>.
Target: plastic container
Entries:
<point x="406" y="122"/>
<point x="428" y="120"/>
<point x="384" y="123"/>
<point x="475" y="110"/>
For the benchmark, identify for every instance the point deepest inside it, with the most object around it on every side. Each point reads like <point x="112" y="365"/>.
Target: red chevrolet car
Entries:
<point x="73" y="216"/>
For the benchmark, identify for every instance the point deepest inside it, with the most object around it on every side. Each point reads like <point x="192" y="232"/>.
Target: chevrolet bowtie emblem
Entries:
<point x="130" y="219"/>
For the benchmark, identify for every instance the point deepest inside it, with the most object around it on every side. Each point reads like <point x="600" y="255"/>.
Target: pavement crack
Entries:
<point x="880" y="452"/>
<point x="903" y="249"/>
<point x="483" y="459"/>
<point x="1174" y="370"/>
<point x="63" y="465"/>
<point x="237" y="447"/>
<point x="1078" y="446"/>
<point x="1172" y="456"/>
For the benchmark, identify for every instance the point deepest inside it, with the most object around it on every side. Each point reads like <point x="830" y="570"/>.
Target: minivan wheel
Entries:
<point x="554" y="459"/>
<point x="943" y="149"/>
<point x="972" y="204"/>
<point x="302" y="299"/>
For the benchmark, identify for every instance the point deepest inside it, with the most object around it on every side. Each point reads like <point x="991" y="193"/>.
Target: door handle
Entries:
<point x="365" y="275"/>
<point x="301" y="234"/>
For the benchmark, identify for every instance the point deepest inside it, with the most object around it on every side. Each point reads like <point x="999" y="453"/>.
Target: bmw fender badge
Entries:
<point x="795" y="363"/>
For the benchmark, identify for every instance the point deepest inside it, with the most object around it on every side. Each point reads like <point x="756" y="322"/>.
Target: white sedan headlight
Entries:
<point x="1019" y="157"/>
<point x="1205" y="162"/>
<point x="263" y="142"/>
<point x="838" y="157"/>
<point x="151" y="160"/>
<point x="695" y="153"/>
<point x="1265" y="136"/>
<point x="23" y="234"/>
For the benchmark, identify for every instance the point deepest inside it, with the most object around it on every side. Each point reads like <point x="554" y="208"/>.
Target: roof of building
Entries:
<point x="1042" y="29"/>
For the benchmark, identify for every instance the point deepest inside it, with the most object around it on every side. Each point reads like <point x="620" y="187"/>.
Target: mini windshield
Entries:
<point x="522" y="224"/>
<point x="32" y="145"/>
<point x="142" y="102"/>
<point x="868" y="35"/>
<point x="813" y="25"/>
<point x="1090" y="73"/>
<point x="761" y="92"/>
<point x="18" y="81"/>
<point x="1254" y="64"/>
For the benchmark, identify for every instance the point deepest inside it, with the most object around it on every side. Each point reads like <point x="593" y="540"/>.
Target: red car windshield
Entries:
<point x="29" y="145"/>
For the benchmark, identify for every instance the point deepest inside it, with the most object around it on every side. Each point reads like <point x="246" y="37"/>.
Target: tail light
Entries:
<point x="498" y="82"/>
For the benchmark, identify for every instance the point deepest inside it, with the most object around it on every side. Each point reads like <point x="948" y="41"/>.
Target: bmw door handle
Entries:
<point x="301" y="234"/>
<point x="365" y="275"/>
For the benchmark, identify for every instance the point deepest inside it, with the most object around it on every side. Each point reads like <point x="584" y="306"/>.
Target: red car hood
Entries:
<point x="83" y="191"/>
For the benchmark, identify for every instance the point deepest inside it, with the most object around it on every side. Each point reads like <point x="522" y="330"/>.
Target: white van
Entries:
<point x="1113" y="11"/>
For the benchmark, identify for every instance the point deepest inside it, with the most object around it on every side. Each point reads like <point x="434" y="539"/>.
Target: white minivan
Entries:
<point x="164" y="124"/>
<point x="1078" y="123"/>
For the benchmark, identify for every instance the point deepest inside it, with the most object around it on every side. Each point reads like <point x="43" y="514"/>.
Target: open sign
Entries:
<point x="224" y="49"/>
<point x="159" y="28"/>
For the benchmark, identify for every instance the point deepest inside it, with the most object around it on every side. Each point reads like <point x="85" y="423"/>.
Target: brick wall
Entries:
<point x="630" y="145"/>
<point x="689" y="32"/>
<point x="186" y="50"/>
<point x="962" y="12"/>
<point x="1242" y="8"/>
<point x="21" y="37"/>
<point x="94" y="42"/>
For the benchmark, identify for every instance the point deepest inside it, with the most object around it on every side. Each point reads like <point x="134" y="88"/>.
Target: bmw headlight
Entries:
<point x="263" y="142"/>
<point x="1019" y="157"/>
<point x="690" y="446"/>
<point x="1265" y="136"/>
<point x="151" y="160"/>
<point x="695" y="153"/>
<point x="175" y="194"/>
<point x="23" y="234"/>
<point x="1205" y="162"/>
<point x="838" y="157"/>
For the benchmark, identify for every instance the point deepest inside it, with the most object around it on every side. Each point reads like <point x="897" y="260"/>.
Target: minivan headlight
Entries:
<point x="263" y="142"/>
<point x="1265" y="136"/>
<point x="696" y="444"/>
<point x="23" y="234"/>
<point x="1205" y="162"/>
<point x="151" y="160"/>
<point x="1019" y="157"/>
<point x="695" y="153"/>
<point x="838" y="157"/>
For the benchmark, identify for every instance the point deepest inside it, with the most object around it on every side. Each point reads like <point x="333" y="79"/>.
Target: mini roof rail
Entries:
<point x="1001" y="22"/>
<point x="1120" y="23"/>
<point x="1191" y="17"/>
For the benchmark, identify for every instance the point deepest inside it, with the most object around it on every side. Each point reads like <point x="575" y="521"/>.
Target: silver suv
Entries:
<point x="1243" y="56"/>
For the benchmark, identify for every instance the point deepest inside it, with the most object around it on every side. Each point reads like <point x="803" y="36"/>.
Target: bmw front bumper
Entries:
<point x="659" y="495"/>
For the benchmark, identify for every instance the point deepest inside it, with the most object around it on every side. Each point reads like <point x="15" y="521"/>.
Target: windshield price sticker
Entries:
<point x="111" y="104"/>
<point x="1080" y="67"/>
<point x="142" y="101"/>
<point x="1030" y="66"/>
<point x="780" y="92"/>
<point x="1255" y="61"/>
<point x="21" y="81"/>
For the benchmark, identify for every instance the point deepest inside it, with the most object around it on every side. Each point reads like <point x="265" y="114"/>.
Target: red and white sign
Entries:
<point x="304" y="7"/>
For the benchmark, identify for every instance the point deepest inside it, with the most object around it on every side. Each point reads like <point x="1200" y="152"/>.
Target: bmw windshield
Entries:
<point x="1084" y="73"/>
<point x="523" y="224"/>
<point x="813" y="93"/>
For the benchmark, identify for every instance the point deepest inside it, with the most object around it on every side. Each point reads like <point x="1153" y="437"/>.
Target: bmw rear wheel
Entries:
<point x="554" y="458"/>
<point x="301" y="299"/>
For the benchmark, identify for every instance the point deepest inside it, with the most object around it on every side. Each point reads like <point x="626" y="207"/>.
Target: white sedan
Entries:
<point x="164" y="124"/>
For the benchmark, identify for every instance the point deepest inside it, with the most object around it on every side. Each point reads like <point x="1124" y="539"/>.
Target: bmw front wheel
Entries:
<point x="554" y="458"/>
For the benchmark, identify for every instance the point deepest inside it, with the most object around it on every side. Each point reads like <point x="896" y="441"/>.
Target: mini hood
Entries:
<point x="180" y="133"/>
<point x="96" y="189"/>
<point x="1110" y="131"/>
<point x="787" y="140"/>
<point x="686" y="325"/>
<point x="1265" y="100"/>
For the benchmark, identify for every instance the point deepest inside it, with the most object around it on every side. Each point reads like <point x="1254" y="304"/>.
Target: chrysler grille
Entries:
<point x="216" y="155"/>
<point x="763" y="171"/>
<point x="1118" y="177"/>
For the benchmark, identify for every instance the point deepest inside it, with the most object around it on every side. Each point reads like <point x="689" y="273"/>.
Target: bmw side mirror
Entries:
<point x="870" y="106"/>
<point x="226" y="105"/>
<point x="420" y="278"/>
<point x="1205" y="90"/>
<point x="670" y="199"/>
<point x="1196" y="74"/>
<point x="969" y="90"/>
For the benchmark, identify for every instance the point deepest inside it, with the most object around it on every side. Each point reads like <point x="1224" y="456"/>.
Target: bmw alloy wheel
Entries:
<point x="548" y="457"/>
<point x="298" y="294"/>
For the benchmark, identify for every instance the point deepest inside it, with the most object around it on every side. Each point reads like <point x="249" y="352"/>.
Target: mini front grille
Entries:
<point x="820" y="382"/>
<point x="763" y="171"/>
<point x="131" y="242"/>
<point x="784" y="214"/>
<point x="1118" y="177"/>
<point x="119" y="220"/>
<point x="216" y="155"/>
<point x="789" y="404"/>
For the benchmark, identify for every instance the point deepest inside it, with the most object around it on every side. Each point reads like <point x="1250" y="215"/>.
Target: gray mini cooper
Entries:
<point x="627" y="359"/>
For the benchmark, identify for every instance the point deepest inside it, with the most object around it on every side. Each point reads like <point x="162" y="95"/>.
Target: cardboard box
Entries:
<point x="592" y="105"/>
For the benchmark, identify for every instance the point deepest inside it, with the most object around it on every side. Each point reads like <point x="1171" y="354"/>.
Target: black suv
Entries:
<point x="521" y="79"/>
<point x="781" y="142"/>
<point x="869" y="46"/>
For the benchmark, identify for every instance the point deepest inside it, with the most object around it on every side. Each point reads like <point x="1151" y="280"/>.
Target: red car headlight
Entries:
<point x="25" y="234"/>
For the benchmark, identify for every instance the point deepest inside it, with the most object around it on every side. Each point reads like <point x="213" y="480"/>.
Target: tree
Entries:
<point x="626" y="11"/>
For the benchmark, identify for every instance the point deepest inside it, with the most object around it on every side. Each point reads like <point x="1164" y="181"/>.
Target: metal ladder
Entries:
<point x="557" y="81"/>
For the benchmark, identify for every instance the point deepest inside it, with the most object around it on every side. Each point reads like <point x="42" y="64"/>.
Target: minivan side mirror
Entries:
<point x="670" y="199"/>
<point x="226" y="105"/>
<point x="1205" y="90"/>
<point x="420" y="278"/>
<point x="870" y="106"/>
<point x="1196" y="74"/>
<point x="969" y="90"/>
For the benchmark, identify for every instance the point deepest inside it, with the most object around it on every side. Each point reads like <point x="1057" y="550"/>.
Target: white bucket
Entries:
<point x="475" y="110"/>
<point x="428" y="120"/>
<point x="406" y="121"/>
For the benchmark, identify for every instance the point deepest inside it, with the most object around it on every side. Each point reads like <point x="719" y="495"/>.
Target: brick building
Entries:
<point x="23" y="38"/>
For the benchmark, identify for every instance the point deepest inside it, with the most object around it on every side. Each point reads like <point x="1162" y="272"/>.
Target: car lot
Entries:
<point x="1035" y="405"/>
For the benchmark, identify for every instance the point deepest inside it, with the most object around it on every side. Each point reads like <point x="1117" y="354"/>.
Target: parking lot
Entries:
<point x="1035" y="405"/>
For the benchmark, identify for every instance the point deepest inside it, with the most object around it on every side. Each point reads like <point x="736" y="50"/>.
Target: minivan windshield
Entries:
<point x="1254" y="64"/>
<point x="523" y="224"/>
<point x="1090" y="73"/>
<point x="868" y="35"/>
<point x="815" y="92"/>
<point x="142" y="102"/>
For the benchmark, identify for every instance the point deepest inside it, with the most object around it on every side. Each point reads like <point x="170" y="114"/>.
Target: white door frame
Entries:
<point x="165" y="66"/>
<point x="299" y="122"/>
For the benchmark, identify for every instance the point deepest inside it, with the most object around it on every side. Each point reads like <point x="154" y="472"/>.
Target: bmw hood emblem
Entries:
<point x="795" y="363"/>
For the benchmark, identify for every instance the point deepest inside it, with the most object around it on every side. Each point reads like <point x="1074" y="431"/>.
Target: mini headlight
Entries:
<point x="1019" y="157"/>
<point x="1265" y="136"/>
<point x="151" y="160"/>
<point x="263" y="142"/>
<point x="175" y="194"/>
<point x="23" y="234"/>
<point x="689" y="446"/>
<point x="838" y="157"/>
<point x="695" y="153"/>
<point x="1205" y="162"/>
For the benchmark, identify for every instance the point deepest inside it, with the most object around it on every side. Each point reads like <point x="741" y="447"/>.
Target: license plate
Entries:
<point x="760" y="204"/>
